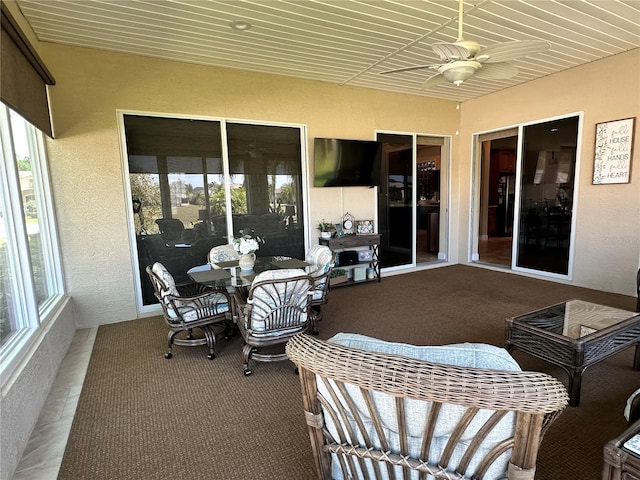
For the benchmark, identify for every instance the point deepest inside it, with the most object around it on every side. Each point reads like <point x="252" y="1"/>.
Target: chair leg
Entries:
<point x="316" y="316"/>
<point x="210" y="335"/>
<point x="247" y="350"/>
<point x="170" y="338"/>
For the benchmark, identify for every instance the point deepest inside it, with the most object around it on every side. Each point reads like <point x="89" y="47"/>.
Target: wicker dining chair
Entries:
<point x="372" y="414"/>
<point x="189" y="307"/>
<point x="276" y="309"/>
<point x="322" y="260"/>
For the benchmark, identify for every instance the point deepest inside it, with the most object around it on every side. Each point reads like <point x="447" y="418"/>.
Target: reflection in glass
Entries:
<point x="395" y="209"/>
<point x="180" y="195"/>
<point x="547" y="184"/>
<point x="266" y="186"/>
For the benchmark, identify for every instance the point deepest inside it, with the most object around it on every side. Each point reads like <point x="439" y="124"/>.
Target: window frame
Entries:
<point x="32" y="319"/>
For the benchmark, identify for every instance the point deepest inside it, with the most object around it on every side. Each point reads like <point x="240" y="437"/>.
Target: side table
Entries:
<point x="620" y="464"/>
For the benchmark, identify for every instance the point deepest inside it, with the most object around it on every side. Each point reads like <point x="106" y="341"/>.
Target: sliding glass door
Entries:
<point x="524" y="196"/>
<point x="196" y="184"/>
<point x="546" y="196"/>
<point x="412" y="199"/>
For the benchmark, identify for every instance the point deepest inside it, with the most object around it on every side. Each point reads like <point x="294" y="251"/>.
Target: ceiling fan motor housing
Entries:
<point x="459" y="71"/>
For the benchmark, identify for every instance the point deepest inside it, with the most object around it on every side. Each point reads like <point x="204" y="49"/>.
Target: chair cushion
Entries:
<point x="265" y="299"/>
<point x="319" y="255"/>
<point x="189" y="312"/>
<point x="464" y="355"/>
<point x="222" y="253"/>
<point x="164" y="275"/>
<point x="477" y="355"/>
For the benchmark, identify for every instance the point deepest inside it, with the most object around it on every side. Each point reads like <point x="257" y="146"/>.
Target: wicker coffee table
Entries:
<point x="574" y="335"/>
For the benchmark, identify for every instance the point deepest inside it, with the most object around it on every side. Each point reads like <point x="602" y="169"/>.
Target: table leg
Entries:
<point x="575" y="384"/>
<point x="636" y="358"/>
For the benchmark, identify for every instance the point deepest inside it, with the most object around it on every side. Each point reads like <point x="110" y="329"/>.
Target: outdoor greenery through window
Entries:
<point x="188" y="192"/>
<point x="28" y="278"/>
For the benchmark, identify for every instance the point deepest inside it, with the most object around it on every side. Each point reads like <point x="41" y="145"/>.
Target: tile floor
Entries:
<point x="42" y="457"/>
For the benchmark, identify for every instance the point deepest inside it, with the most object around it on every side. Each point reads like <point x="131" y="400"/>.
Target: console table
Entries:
<point x="352" y="242"/>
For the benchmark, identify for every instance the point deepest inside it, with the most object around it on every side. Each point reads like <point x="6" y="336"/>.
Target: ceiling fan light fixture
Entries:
<point x="459" y="71"/>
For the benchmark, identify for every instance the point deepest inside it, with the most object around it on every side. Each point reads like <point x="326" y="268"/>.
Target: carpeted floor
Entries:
<point x="143" y="417"/>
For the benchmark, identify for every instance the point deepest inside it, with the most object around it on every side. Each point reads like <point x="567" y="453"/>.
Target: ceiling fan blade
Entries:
<point x="408" y="69"/>
<point x="503" y="52"/>
<point x="434" y="81"/>
<point x="496" y="71"/>
<point x="450" y="51"/>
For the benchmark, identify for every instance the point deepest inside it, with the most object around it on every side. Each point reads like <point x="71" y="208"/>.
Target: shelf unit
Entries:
<point x="356" y="242"/>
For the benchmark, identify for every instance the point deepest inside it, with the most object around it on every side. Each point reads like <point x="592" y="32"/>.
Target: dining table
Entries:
<point x="237" y="281"/>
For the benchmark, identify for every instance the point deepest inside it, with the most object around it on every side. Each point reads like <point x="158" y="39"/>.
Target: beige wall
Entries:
<point x="86" y="164"/>
<point x="607" y="241"/>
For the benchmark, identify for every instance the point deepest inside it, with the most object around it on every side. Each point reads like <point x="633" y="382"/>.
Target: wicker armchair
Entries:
<point x="323" y="261"/>
<point x="277" y="308"/>
<point x="190" y="307"/>
<point x="384" y="416"/>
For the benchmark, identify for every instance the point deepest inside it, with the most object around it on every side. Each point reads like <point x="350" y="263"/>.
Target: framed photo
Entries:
<point x="339" y="231"/>
<point x="613" y="151"/>
<point x="364" y="227"/>
<point x="365" y="255"/>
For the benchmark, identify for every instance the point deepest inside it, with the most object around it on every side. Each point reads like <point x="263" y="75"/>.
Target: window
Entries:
<point x="30" y="273"/>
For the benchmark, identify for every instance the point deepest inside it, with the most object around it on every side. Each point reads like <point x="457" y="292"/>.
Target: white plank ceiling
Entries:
<point x="346" y="42"/>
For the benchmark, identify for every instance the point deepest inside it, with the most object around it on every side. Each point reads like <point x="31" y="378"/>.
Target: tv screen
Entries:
<point x="346" y="163"/>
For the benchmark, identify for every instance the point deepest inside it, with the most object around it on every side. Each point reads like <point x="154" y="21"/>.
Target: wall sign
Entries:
<point x="613" y="150"/>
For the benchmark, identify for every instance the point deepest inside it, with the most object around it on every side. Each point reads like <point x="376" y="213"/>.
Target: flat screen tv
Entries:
<point x="346" y="163"/>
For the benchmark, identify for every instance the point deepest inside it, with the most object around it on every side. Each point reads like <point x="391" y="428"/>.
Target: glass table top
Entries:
<point x="229" y="273"/>
<point x="575" y="318"/>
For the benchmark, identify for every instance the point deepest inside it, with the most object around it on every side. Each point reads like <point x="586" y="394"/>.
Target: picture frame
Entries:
<point x="339" y="231"/>
<point x="613" y="151"/>
<point x="364" y="227"/>
<point x="365" y="255"/>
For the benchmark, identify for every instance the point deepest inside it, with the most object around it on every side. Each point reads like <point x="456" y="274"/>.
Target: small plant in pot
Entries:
<point x="326" y="228"/>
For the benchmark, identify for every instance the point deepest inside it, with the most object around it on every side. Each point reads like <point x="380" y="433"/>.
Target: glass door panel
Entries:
<point x="266" y="186"/>
<point x="430" y="162"/>
<point x="395" y="200"/>
<point x="546" y="195"/>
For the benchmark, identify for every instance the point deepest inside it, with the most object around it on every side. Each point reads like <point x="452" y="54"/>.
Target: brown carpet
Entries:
<point x="143" y="417"/>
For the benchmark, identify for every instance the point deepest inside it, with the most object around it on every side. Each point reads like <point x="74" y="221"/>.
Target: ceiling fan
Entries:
<point x="464" y="59"/>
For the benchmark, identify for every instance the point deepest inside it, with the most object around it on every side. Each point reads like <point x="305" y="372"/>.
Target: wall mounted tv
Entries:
<point x="346" y="163"/>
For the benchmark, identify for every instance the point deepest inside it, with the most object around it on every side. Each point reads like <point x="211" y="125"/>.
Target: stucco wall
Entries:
<point x="86" y="164"/>
<point x="607" y="240"/>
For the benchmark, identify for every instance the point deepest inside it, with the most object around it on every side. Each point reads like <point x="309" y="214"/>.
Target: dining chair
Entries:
<point x="188" y="307"/>
<point x="222" y="253"/>
<point x="322" y="260"/>
<point x="384" y="410"/>
<point x="277" y="307"/>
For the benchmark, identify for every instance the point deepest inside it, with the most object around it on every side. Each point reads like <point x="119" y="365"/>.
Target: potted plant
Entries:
<point x="326" y="228"/>
<point x="338" y="275"/>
